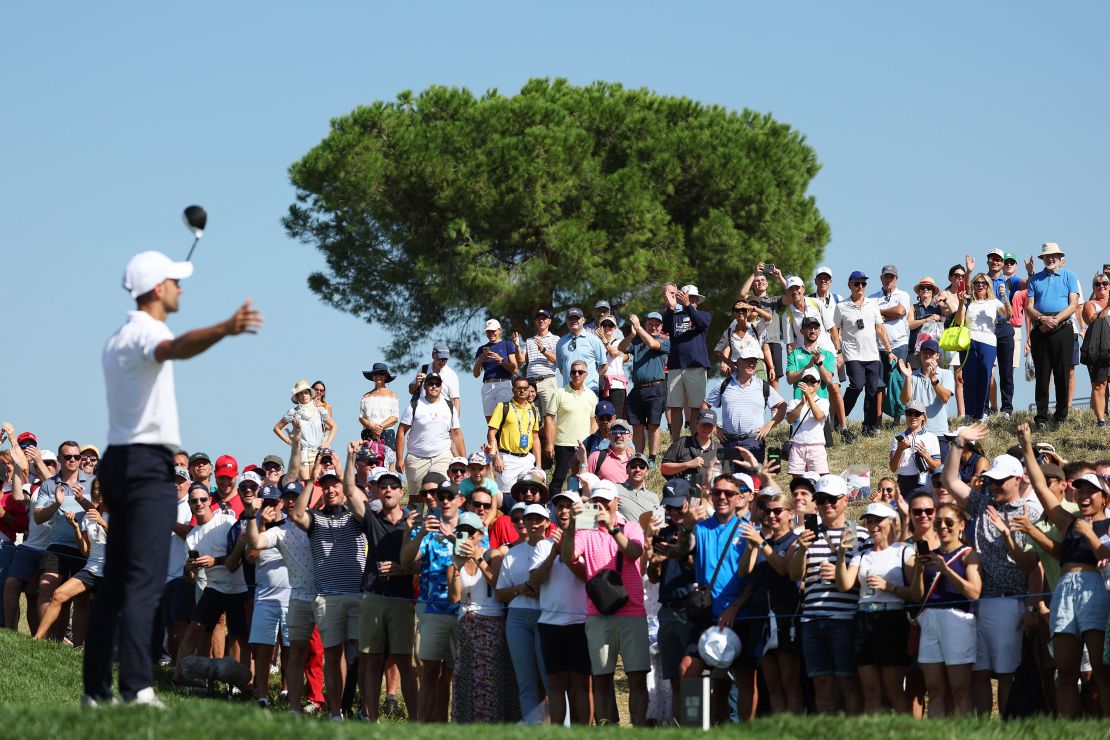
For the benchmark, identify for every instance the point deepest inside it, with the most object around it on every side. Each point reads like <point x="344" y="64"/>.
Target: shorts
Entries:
<point x="88" y="579"/>
<point x="645" y="404"/>
<point x="63" y="560"/>
<point x="609" y="635"/>
<point x="337" y="617"/>
<point x="998" y="635"/>
<point x="1099" y="374"/>
<point x="495" y="392"/>
<point x="439" y="637"/>
<point x="301" y="618"/>
<point x="828" y="646"/>
<point x="269" y="620"/>
<point x="25" y="564"/>
<point x="808" y="458"/>
<point x="308" y="454"/>
<point x="213" y="603"/>
<point x="178" y="602"/>
<point x="947" y="636"/>
<point x="675" y="633"/>
<point x="545" y="391"/>
<point x="565" y="648"/>
<point x="685" y="387"/>
<point x="1075" y="350"/>
<point x="1080" y="603"/>
<point x="385" y="625"/>
<point x="881" y="638"/>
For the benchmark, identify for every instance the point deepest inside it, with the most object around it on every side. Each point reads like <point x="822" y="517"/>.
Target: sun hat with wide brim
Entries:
<point x="1051" y="248"/>
<point x="301" y="385"/>
<point x="379" y="367"/>
<point x="926" y="281"/>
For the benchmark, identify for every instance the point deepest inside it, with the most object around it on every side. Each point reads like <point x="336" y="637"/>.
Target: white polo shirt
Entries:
<point x="142" y="405"/>
<point x="858" y="344"/>
<point x="429" y="433"/>
<point x="897" y="330"/>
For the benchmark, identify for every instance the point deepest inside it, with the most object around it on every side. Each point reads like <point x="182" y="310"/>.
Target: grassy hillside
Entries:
<point x="42" y="683"/>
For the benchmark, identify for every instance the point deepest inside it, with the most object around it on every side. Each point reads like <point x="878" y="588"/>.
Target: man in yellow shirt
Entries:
<point x="569" y="420"/>
<point x="513" y="436"/>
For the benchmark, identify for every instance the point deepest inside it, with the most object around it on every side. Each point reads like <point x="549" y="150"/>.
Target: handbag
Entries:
<point x="956" y="338"/>
<point x="606" y="589"/>
<point x="699" y="602"/>
<point x="913" y="639"/>
<point x="771" y="629"/>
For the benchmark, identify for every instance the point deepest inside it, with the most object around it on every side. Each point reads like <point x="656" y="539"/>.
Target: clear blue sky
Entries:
<point x="941" y="129"/>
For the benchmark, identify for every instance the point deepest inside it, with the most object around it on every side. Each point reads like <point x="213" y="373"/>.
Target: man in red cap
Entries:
<point x="227" y="497"/>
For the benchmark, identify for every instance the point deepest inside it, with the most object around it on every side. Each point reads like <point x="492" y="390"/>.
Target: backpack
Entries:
<point x="1095" y="351"/>
<point x="505" y="415"/>
<point x="724" y="384"/>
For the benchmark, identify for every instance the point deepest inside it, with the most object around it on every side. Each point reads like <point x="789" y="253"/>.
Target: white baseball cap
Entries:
<point x="493" y="325"/>
<point x="603" y="489"/>
<point x="1004" y="466"/>
<point x="691" y="290"/>
<point x="881" y="510"/>
<point x="249" y="477"/>
<point x="719" y="646"/>
<point x="795" y="282"/>
<point x="148" y="269"/>
<point x="537" y="510"/>
<point x="824" y="270"/>
<point x="832" y="485"/>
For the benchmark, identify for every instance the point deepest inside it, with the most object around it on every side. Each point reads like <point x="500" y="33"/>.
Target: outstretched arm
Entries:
<point x="246" y="320"/>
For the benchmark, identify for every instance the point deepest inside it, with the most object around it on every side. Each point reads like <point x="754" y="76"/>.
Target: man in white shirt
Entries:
<point x="441" y="355"/>
<point x="429" y="435"/>
<point x="136" y="473"/>
<point x="856" y="331"/>
<point x="895" y="306"/>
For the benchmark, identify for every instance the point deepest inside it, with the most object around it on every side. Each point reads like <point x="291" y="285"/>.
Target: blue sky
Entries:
<point x="941" y="129"/>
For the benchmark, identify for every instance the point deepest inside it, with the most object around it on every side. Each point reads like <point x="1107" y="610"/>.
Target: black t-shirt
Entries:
<point x="685" y="449"/>
<point x="384" y="541"/>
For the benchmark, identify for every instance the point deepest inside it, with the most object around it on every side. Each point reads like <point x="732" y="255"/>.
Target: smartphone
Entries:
<point x="588" y="518"/>
<point x="418" y="522"/>
<point x="810" y="522"/>
<point x="961" y="285"/>
<point x="768" y="268"/>
<point x="424" y="369"/>
<point x="922" y="547"/>
<point x="460" y="539"/>
<point x="574" y="485"/>
<point x="728" y="454"/>
<point x="774" y="453"/>
<point x="193" y="554"/>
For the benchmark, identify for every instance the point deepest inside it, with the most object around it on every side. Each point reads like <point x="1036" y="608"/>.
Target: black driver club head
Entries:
<point x="195" y="220"/>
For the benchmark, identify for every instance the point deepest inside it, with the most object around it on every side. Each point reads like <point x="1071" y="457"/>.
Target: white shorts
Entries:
<point x="270" y="619"/>
<point x="947" y="636"/>
<point x="998" y="635"/>
<point x="808" y="458"/>
<point x="494" y="393"/>
<point x="515" y="469"/>
<point x="686" y="387"/>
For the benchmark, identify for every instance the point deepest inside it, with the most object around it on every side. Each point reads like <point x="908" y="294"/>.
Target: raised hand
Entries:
<point x="246" y="320"/>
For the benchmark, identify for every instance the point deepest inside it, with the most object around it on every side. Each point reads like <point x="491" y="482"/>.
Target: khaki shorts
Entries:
<point x="301" y="619"/>
<point x="337" y="618"/>
<point x="685" y="387"/>
<point x="610" y="636"/>
<point x="439" y="637"/>
<point x="545" y="391"/>
<point x="417" y="467"/>
<point x="385" y="622"/>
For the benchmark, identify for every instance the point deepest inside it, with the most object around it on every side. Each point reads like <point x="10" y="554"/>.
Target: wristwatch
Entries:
<point x="616" y="529"/>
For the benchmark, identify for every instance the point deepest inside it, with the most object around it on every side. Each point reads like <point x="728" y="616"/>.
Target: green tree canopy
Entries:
<point x="441" y="209"/>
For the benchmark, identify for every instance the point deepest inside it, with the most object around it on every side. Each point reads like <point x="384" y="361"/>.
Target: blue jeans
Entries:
<point x="7" y="552"/>
<point x="978" y="365"/>
<point x="523" y="637"/>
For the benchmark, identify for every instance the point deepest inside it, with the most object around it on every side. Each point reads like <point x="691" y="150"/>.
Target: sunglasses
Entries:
<point x="859" y="283"/>
<point x="578" y="372"/>
<point x="71" y="458"/>
<point x="619" y="432"/>
<point x="482" y="504"/>
<point x="195" y="501"/>
<point x="980" y="284"/>
<point x="457" y="471"/>
<point x="923" y="512"/>
<point x="532" y="489"/>
<point x="433" y="384"/>
<point x="89" y="458"/>
<point x="774" y="512"/>
<point x="823" y="500"/>
<point x="994" y="258"/>
<point x="573" y="345"/>
<point x="1101" y="283"/>
<point x="521" y="389"/>
<point x="445" y="496"/>
<point x="637" y="464"/>
<point x="517" y="520"/>
<point x="726" y="492"/>
<point x="389" y="486"/>
<point x="946" y="523"/>
<point x="248" y="486"/>
<point x="886" y="490"/>
<point x="859" y="323"/>
<point x="911" y="412"/>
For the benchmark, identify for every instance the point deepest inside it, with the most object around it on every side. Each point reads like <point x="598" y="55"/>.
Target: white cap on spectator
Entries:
<point x="458" y="461"/>
<point x="48" y="455"/>
<point x="832" y="485"/>
<point x="795" y="282"/>
<point x="493" y="325"/>
<point x="1004" y="466"/>
<point x="824" y="270"/>
<point x="537" y="510"/>
<point x="719" y="647"/>
<point x="603" y="489"/>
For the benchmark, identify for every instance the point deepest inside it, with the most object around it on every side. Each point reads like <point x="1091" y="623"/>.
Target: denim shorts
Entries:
<point x="828" y="646"/>
<point x="269" y="620"/>
<point x="25" y="564"/>
<point x="1079" y="603"/>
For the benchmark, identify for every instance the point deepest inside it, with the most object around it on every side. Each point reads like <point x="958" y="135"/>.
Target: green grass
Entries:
<point x="41" y="684"/>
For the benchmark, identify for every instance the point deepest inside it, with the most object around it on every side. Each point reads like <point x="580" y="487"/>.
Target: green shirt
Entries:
<point x="799" y="359"/>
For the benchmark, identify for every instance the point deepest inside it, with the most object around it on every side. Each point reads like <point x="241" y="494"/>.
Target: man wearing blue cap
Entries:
<point x="649" y="350"/>
<point x="856" y="332"/>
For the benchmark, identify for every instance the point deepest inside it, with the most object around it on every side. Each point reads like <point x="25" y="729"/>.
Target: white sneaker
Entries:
<point x="311" y="708"/>
<point x="87" y="702"/>
<point x="337" y="718"/>
<point x="147" y="698"/>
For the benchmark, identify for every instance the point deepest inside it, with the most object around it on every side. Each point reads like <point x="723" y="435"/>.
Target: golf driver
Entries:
<point x="195" y="219"/>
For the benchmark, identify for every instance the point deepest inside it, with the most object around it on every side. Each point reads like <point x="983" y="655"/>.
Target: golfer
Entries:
<point x="137" y="474"/>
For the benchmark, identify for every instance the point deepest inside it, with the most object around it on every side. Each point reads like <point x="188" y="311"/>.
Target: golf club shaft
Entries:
<point x="190" y="256"/>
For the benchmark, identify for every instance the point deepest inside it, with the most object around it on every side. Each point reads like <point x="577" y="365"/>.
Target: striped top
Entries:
<point x="338" y="551"/>
<point x="539" y="367"/>
<point x="822" y="599"/>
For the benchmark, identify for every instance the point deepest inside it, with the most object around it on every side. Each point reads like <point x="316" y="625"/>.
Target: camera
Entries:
<point x="768" y="268"/>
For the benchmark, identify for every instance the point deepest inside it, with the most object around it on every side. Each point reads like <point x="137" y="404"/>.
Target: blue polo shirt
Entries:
<point x="585" y="347"/>
<point x="495" y="370"/>
<point x="1051" y="291"/>
<point x="714" y="545"/>
<point x="647" y="363"/>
